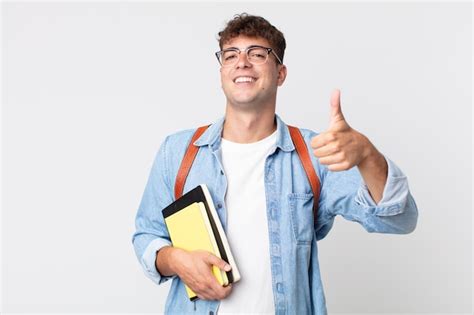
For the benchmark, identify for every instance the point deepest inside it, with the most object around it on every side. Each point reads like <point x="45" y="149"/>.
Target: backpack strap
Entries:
<point x="187" y="162"/>
<point x="303" y="154"/>
<point x="301" y="150"/>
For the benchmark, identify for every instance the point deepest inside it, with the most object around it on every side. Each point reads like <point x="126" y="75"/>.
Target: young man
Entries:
<point x="261" y="191"/>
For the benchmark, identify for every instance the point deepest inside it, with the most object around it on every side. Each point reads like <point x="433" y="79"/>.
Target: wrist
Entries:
<point x="373" y="163"/>
<point x="371" y="156"/>
<point x="165" y="260"/>
<point x="374" y="170"/>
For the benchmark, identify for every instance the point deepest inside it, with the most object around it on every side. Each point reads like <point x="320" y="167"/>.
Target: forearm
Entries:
<point x="374" y="171"/>
<point x="164" y="261"/>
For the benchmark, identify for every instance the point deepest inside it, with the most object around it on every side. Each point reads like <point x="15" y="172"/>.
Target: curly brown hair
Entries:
<point x="253" y="26"/>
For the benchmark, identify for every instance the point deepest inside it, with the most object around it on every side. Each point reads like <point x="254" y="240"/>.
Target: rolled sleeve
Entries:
<point x="345" y="193"/>
<point x="394" y="196"/>
<point x="148" y="261"/>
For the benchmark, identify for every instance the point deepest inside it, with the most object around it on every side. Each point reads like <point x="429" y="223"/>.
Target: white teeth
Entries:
<point x="244" y="79"/>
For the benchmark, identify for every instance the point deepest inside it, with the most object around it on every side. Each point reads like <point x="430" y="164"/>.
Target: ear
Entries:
<point x="282" y="71"/>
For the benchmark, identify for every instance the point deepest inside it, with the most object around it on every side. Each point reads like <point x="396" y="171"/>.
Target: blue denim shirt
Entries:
<point x="296" y="279"/>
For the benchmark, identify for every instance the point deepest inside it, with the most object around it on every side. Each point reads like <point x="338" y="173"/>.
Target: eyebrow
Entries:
<point x="251" y="46"/>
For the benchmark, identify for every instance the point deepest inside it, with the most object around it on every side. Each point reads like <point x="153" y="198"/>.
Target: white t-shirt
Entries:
<point x="247" y="226"/>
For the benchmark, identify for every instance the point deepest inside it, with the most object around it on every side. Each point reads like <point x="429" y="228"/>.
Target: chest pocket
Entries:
<point x="302" y="218"/>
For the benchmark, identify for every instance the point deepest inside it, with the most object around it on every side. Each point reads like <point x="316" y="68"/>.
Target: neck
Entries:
<point x="248" y="126"/>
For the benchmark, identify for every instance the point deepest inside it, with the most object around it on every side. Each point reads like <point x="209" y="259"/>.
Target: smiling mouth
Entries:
<point x="245" y="79"/>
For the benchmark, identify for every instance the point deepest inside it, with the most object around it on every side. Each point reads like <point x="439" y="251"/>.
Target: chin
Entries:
<point x="245" y="97"/>
<point x="244" y="102"/>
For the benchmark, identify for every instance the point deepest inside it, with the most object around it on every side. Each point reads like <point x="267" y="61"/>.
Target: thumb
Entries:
<point x="216" y="261"/>
<point x="336" y="112"/>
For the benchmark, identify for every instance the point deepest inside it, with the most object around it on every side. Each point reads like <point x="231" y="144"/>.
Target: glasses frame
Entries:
<point x="246" y="50"/>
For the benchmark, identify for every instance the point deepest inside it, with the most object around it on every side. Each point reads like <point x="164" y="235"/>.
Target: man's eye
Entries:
<point x="229" y="57"/>
<point x="257" y="55"/>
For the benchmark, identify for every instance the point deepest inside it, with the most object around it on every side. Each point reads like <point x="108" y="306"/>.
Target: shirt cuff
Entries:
<point x="149" y="258"/>
<point x="394" y="196"/>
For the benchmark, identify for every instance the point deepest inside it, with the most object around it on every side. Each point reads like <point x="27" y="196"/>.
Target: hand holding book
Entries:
<point x="194" y="269"/>
<point x="202" y="250"/>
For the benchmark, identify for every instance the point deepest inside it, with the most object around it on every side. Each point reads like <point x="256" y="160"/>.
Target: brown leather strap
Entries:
<point x="187" y="162"/>
<point x="303" y="153"/>
<point x="301" y="150"/>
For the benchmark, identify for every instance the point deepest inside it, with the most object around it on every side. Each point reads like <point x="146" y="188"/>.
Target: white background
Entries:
<point x="91" y="89"/>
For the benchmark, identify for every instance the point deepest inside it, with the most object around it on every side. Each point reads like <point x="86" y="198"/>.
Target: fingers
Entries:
<point x="340" y="147"/>
<point x="337" y="151"/>
<point x="200" y="278"/>
<point x="215" y="290"/>
<point x="336" y="167"/>
<point x="212" y="290"/>
<point x="337" y="158"/>
<point x="326" y="151"/>
<point x="216" y="261"/>
<point x="219" y="294"/>
<point x="322" y="139"/>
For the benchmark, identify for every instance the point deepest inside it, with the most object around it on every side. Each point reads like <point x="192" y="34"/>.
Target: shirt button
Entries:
<point x="280" y="287"/>
<point x="275" y="250"/>
<point x="222" y="172"/>
<point x="219" y="205"/>
<point x="211" y="313"/>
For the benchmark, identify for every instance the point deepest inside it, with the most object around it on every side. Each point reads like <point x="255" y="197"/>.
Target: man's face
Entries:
<point x="247" y="85"/>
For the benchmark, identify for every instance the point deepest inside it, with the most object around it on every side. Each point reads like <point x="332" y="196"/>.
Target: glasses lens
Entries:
<point x="257" y="55"/>
<point x="229" y="57"/>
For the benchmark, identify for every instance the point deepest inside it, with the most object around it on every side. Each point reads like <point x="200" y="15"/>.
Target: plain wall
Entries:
<point x="90" y="90"/>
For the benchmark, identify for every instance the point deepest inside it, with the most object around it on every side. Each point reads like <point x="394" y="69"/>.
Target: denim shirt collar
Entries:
<point x="212" y="136"/>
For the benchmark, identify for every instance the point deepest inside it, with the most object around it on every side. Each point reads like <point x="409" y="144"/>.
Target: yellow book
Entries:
<point x="190" y="229"/>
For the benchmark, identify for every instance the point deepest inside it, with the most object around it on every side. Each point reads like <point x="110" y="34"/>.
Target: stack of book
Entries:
<point x="193" y="224"/>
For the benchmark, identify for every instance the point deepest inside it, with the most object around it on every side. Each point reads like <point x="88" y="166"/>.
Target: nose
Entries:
<point x="243" y="61"/>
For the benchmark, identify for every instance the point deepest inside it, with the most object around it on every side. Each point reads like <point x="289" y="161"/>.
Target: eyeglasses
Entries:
<point x="256" y="55"/>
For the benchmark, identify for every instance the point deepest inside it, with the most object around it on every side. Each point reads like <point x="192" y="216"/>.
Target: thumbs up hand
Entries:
<point x="340" y="147"/>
